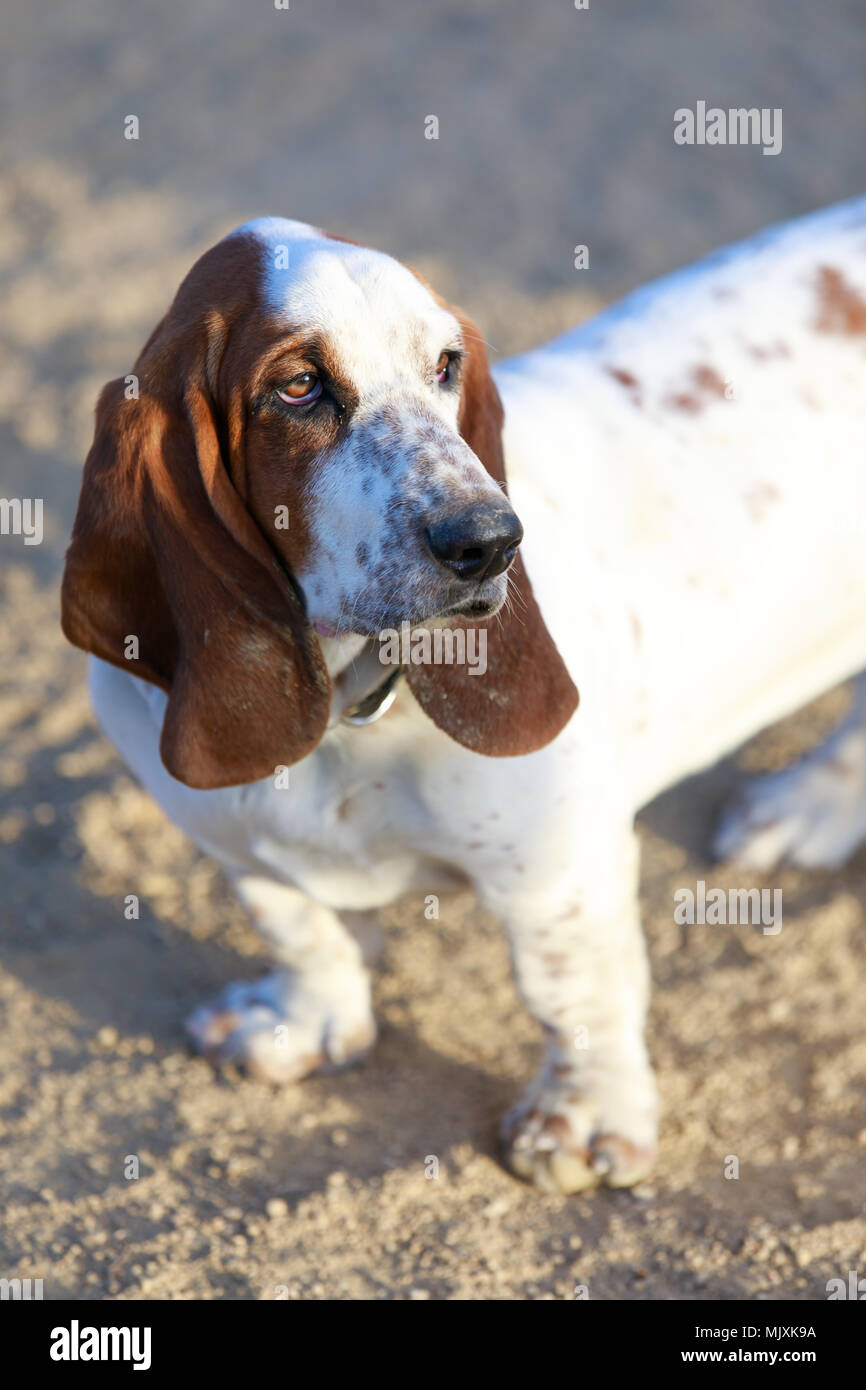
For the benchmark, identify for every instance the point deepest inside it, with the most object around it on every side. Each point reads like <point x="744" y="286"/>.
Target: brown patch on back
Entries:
<point x="690" y="405"/>
<point x="707" y="379"/>
<point x="841" y="308"/>
<point x="706" y="382"/>
<point x="629" y="381"/>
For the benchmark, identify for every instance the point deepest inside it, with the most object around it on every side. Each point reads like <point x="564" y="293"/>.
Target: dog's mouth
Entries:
<point x="475" y="609"/>
<point x="478" y="609"/>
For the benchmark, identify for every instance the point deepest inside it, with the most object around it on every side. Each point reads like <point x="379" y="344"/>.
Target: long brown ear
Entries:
<point x="164" y="551"/>
<point x="526" y="696"/>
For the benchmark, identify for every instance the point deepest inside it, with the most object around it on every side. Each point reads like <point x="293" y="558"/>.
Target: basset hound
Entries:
<point x="311" y="450"/>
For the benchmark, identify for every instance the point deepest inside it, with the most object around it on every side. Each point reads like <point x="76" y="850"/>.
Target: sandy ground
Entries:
<point x="555" y="129"/>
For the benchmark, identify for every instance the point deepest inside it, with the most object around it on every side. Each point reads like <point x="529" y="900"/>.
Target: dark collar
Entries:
<point x="374" y="705"/>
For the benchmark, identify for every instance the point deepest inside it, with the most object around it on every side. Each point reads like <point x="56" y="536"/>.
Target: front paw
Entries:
<point x="563" y="1141"/>
<point x="280" y="1029"/>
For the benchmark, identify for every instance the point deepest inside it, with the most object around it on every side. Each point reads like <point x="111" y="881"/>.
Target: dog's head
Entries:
<point x="310" y="442"/>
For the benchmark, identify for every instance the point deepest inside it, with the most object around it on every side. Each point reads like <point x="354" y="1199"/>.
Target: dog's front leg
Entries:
<point x="589" y="1116"/>
<point x="313" y="1012"/>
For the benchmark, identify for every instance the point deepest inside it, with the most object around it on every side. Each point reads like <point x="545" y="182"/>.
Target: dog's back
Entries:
<point x="697" y="453"/>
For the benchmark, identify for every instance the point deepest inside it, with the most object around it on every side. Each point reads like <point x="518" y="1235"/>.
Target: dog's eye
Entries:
<point x="301" y="390"/>
<point x="443" y="368"/>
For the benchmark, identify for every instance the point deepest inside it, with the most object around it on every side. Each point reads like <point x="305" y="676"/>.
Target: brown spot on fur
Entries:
<point x="760" y="499"/>
<point x="841" y="308"/>
<point x="570" y="911"/>
<point x="690" y="405"/>
<point x="558" y="1128"/>
<point x="629" y="381"/>
<point x="706" y="382"/>
<point x="555" y="960"/>
<point x="708" y="379"/>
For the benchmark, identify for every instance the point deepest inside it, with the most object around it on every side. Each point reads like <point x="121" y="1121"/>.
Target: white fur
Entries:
<point x="702" y="571"/>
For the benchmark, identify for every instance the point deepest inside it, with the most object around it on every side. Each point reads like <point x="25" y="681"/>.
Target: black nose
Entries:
<point x="476" y="543"/>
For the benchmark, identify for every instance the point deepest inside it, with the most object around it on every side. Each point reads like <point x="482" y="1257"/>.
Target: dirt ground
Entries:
<point x="551" y="135"/>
